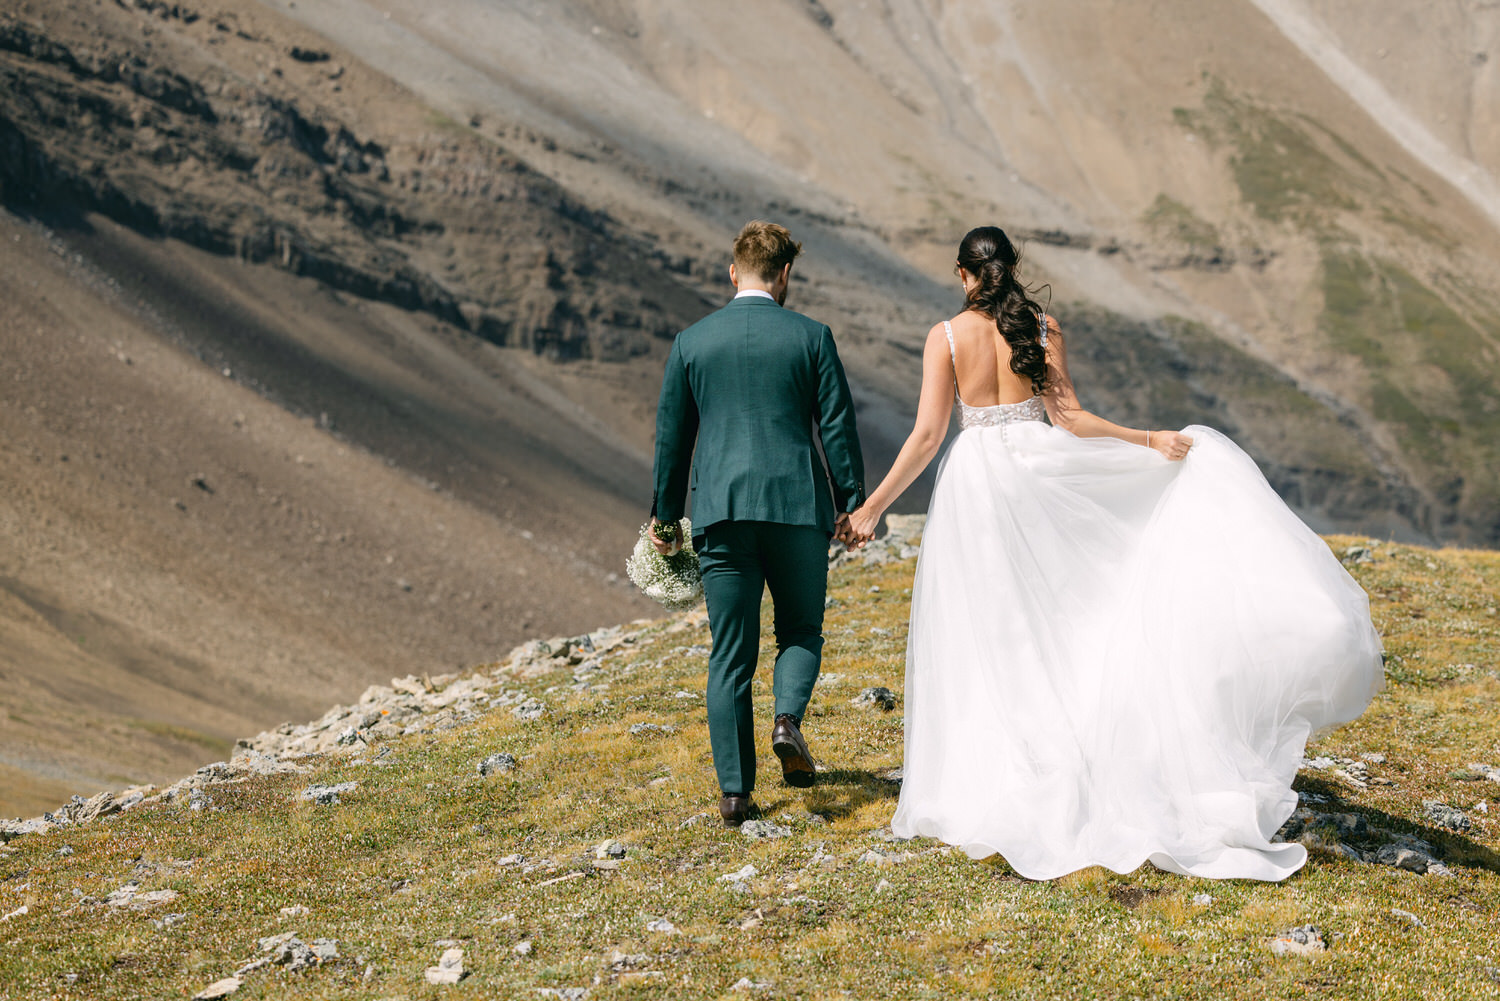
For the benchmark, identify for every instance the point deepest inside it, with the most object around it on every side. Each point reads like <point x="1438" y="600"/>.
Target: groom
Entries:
<point x="756" y="387"/>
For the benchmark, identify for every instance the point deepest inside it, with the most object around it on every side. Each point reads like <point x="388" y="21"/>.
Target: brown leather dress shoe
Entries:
<point x="736" y="809"/>
<point x="797" y="766"/>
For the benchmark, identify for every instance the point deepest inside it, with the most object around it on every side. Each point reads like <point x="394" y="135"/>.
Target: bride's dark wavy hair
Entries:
<point x="987" y="254"/>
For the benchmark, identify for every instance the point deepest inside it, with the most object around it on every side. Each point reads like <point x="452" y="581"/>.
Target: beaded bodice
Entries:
<point x="1001" y="414"/>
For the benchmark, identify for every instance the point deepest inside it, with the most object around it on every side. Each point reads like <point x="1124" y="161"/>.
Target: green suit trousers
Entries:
<point x="739" y="560"/>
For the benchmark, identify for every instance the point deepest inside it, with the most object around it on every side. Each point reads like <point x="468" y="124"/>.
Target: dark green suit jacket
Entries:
<point x="751" y="385"/>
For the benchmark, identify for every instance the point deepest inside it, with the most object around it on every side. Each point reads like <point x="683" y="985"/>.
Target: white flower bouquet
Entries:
<point x="672" y="580"/>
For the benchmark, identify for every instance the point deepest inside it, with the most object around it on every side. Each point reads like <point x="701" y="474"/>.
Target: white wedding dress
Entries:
<point x="1116" y="659"/>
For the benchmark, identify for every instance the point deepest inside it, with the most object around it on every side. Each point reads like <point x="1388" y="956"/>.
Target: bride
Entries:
<point x="1121" y="639"/>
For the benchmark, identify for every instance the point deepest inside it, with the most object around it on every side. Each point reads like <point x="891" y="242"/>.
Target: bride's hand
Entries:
<point x="862" y="525"/>
<point x="1172" y="444"/>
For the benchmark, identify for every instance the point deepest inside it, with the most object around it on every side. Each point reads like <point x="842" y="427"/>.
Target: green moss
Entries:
<point x="182" y="734"/>
<point x="1172" y="220"/>
<point x="1287" y="166"/>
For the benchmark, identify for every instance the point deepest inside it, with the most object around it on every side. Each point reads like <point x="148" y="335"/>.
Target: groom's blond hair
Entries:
<point x="763" y="249"/>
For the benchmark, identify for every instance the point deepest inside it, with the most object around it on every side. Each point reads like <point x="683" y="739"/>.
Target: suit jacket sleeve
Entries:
<point x="676" y="432"/>
<point x="846" y="464"/>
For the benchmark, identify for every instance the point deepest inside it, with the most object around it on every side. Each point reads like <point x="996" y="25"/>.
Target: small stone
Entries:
<point x="1446" y="816"/>
<point x="65" y="851"/>
<point x="748" y="872"/>
<point x="218" y="989"/>
<point x="759" y="830"/>
<point x="1202" y="900"/>
<point x="882" y="886"/>
<point x="564" y="993"/>
<point x="875" y="698"/>
<point x="746" y="984"/>
<point x="684" y="695"/>
<point x="619" y="962"/>
<point x="531" y="709"/>
<point x="610" y="849"/>
<point x="1406" y="917"/>
<point x="695" y="820"/>
<point x="450" y="968"/>
<point x="19" y="912"/>
<point x="328" y="795"/>
<point x="510" y="860"/>
<point x="497" y="764"/>
<point x="661" y="926"/>
<point x="636" y="729"/>
<point x="1304" y="941"/>
<point x="294" y="911"/>
<point x="522" y="948"/>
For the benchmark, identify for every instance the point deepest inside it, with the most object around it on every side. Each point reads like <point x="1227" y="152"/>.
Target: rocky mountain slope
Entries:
<point x="544" y="826"/>
<point x="347" y="316"/>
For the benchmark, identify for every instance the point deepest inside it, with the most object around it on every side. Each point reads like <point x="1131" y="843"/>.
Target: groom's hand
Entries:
<point x="666" y="547"/>
<point x="842" y="533"/>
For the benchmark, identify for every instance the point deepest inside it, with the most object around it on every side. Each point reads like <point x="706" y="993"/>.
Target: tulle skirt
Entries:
<point x="1116" y="659"/>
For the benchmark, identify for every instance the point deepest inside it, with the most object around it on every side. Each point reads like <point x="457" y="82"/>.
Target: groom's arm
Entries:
<point x="846" y="464"/>
<point x="676" y="431"/>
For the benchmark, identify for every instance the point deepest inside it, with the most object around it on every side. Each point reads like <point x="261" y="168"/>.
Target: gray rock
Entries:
<point x="1403" y="857"/>
<point x="1202" y="900"/>
<point x="1446" y="816"/>
<point x="875" y="698"/>
<point x="531" y="709"/>
<point x="130" y="896"/>
<point x="637" y="729"/>
<point x="497" y="764"/>
<point x="450" y="968"/>
<point x="327" y="795"/>
<point x="610" y="849"/>
<point x="661" y="926"/>
<point x="746" y="984"/>
<point x="565" y="993"/>
<point x="761" y="830"/>
<point x="218" y="989"/>
<point x="1406" y="917"/>
<point x="1306" y="940"/>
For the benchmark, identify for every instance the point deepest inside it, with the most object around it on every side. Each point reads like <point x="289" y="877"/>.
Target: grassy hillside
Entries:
<point x="426" y="854"/>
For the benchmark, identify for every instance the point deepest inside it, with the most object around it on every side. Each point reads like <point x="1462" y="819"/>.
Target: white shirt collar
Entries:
<point x="744" y="292"/>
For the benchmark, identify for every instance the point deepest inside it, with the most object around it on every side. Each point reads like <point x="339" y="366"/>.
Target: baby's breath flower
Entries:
<point x="672" y="580"/>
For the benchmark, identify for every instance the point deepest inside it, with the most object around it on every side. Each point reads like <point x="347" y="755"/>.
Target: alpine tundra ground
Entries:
<point x="589" y="863"/>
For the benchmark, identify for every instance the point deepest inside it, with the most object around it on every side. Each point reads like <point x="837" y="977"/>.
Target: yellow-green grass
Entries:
<point x="417" y="853"/>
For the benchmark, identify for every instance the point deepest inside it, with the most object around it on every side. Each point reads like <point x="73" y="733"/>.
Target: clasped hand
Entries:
<point x="857" y="529"/>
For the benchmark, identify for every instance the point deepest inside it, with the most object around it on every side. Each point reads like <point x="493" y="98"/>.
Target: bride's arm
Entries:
<point x="934" y="410"/>
<point x="1065" y="411"/>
